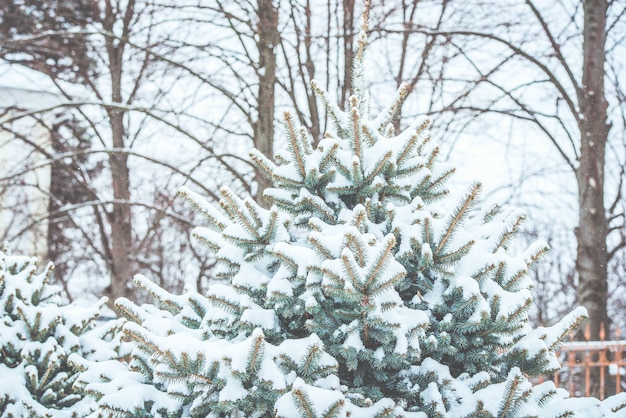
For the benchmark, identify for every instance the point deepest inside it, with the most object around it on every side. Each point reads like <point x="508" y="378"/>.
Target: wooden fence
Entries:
<point x="593" y="368"/>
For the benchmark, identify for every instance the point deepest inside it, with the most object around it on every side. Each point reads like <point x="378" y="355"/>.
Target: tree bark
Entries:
<point x="315" y="129"/>
<point x="120" y="215"/>
<point x="263" y="127"/>
<point x="592" y="230"/>
<point x="348" y="52"/>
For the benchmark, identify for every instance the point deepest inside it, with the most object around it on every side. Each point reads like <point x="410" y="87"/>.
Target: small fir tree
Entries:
<point x="37" y="335"/>
<point x="366" y="290"/>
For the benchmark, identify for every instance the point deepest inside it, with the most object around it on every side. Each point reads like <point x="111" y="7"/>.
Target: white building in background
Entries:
<point x="24" y="169"/>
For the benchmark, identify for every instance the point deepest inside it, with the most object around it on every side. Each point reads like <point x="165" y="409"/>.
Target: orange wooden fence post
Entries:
<point x="581" y="356"/>
<point x="586" y="361"/>
<point x="571" y="362"/>
<point x="603" y="361"/>
<point x="618" y="362"/>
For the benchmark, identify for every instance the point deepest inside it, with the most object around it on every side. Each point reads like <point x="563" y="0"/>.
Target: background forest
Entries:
<point x="107" y="107"/>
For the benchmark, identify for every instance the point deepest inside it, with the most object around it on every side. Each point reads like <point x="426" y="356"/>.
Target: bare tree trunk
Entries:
<point x="409" y="13"/>
<point x="314" y="129"/>
<point x="120" y="216"/>
<point x="348" y="52"/>
<point x="592" y="228"/>
<point x="264" y="125"/>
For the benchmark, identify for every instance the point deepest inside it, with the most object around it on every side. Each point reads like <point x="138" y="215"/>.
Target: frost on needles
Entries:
<point x="38" y="335"/>
<point x="367" y="289"/>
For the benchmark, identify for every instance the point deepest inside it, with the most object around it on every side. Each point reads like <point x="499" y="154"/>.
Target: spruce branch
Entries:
<point x="309" y="361"/>
<point x="381" y="261"/>
<point x="355" y="244"/>
<point x="511" y="283"/>
<point x="319" y="246"/>
<point x="510" y="394"/>
<point x="388" y="115"/>
<point x="234" y="207"/>
<point x="356" y="123"/>
<point x="319" y="205"/>
<point x="515" y="316"/>
<point x="499" y="273"/>
<point x="370" y="136"/>
<point x="286" y="259"/>
<point x="357" y="174"/>
<point x="427" y="189"/>
<point x="388" y="284"/>
<point x="207" y="211"/>
<point x="409" y="147"/>
<point x="412" y="168"/>
<point x="294" y="142"/>
<point x="166" y="299"/>
<point x="386" y="412"/>
<point x="491" y="213"/>
<point x="328" y="155"/>
<point x="360" y="216"/>
<point x="303" y="402"/>
<point x="343" y="169"/>
<point x="335" y="409"/>
<point x="262" y="162"/>
<point x="253" y="212"/>
<point x="206" y="238"/>
<point x="380" y="165"/>
<point x="481" y="274"/>
<point x="351" y="270"/>
<point x="455" y="255"/>
<point x="225" y="304"/>
<point x="332" y="110"/>
<point x="459" y="213"/>
<point x="255" y="354"/>
<point x="509" y="232"/>
<point x="432" y="157"/>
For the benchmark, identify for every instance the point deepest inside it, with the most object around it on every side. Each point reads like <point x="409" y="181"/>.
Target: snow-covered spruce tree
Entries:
<point x="37" y="334"/>
<point x="366" y="290"/>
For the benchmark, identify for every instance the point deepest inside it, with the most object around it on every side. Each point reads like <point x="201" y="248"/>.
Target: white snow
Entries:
<point x="264" y="318"/>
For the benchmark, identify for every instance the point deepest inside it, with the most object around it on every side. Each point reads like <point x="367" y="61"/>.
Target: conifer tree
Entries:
<point x="37" y="335"/>
<point x="368" y="289"/>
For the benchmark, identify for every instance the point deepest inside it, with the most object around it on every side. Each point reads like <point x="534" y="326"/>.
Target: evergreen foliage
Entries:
<point x="37" y="335"/>
<point x="365" y="290"/>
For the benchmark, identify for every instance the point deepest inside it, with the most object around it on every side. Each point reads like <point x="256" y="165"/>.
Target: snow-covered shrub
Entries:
<point x="366" y="290"/>
<point x="37" y="335"/>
